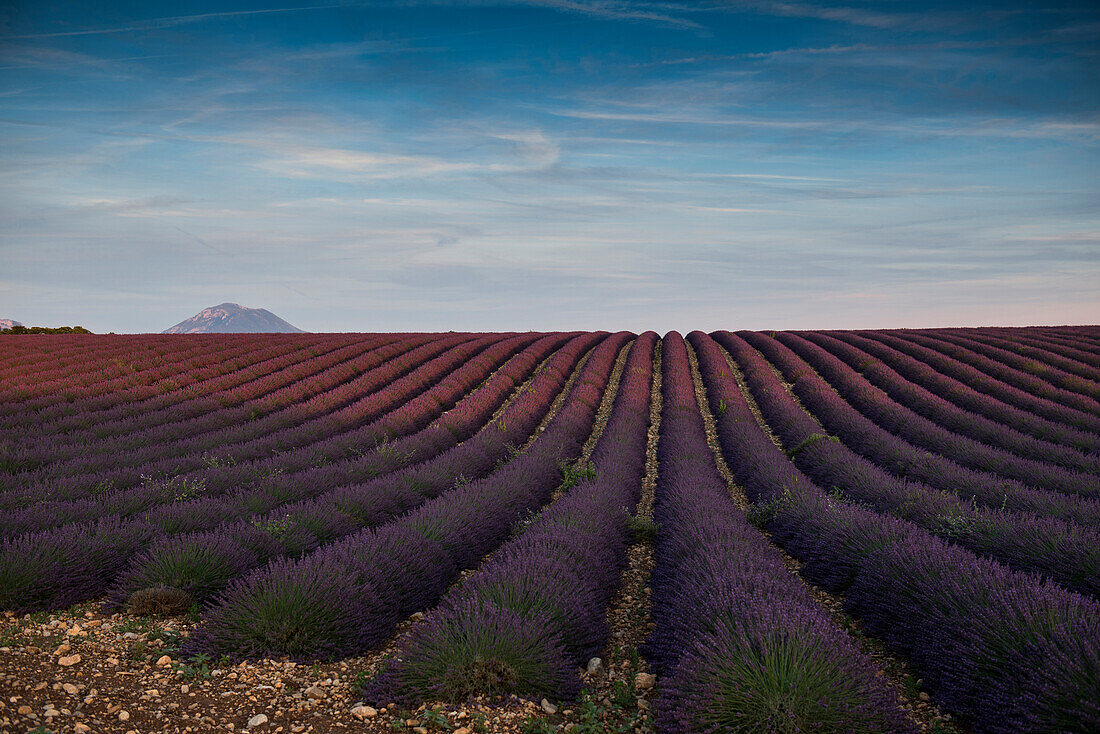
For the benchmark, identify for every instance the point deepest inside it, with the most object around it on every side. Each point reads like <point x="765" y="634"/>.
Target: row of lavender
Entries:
<point x="997" y="429"/>
<point x="1023" y="396"/>
<point x="134" y="411"/>
<point x="292" y="447"/>
<point x="740" y="644"/>
<point x="535" y="609"/>
<point x="1072" y="357"/>
<point x="1004" y="650"/>
<point x="70" y="375"/>
<point x="330" y="402"/>
<point x="1004" y="367"/>
<point x="347" y="596"/>
<point x="933" y="372"/>
<point x="957" y="443"/>
<point x="1066" y="375"/>
<point x="57" y="567"/>
<point x="36" y="398"/>
<point x="208" y="390"/>
<point x="906" y="461"/>
<point x="451" y="451"/>
<point x="1028" y="540"/>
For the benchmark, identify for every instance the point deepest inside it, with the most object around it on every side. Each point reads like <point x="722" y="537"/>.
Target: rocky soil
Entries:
<point x="85" y="671"/>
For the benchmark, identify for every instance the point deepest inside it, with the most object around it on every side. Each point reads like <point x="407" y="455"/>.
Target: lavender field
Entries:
<point x="785" y="503"/>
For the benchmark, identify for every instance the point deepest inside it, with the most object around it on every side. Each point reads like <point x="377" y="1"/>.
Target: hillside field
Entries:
<point x="793" y="531"/>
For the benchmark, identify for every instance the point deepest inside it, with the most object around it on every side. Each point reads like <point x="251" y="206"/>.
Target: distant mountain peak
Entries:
<point x="233" y="318"/>
<point x="9" y="323"/>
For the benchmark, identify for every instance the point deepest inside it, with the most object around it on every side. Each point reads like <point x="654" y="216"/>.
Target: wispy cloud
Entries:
<point x="704" y="117"/>
<point x="168" y="22"/>
<point x="992" y="127"/>
<point x="926" y="19"/>
<point x="16" y="57"/>
<point x="616" y="10"/>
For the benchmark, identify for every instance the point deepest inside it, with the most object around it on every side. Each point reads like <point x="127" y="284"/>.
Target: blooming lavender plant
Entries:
<point x="948" y="386"/>
<point x="966" y="623"/>
<point x="464" y="524"/>
<point x="906" y="424"/>
<point x="543" y="594"/>
<point x="946" y="414"/>
<point x="332" y="523"/>
<point x="1026" y="541"/>
<point x="899" y="457"/>
<point x="740" y="645"/>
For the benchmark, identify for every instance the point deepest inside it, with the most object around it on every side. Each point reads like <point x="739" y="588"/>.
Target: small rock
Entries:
<point x="924" y="696"/>
<point x="420" y="730"/>
<point x="123" y="715"/>
<point x="24" y="710"/>
<point x="417" y="616"/>
<point x="314" y="693"/>
<point x="364" y="712"/>
<point x="644" y="681"/>
<point x="549" y="707"/>
<point x="112" y="661"/>
<point x="185" y="688"/>
<point x="71" y="660"/>
<point x="70" y="689"/>
<point x="80" y="728"/>
<point x="257" y="720"/>
<point x="63" y="648"/>
<point x="461" y="730"/>
<point x="163" y="660"/>
<point x="130" y="635"/>
<point x="75" y="631"/>
<point x="595" y="667"/>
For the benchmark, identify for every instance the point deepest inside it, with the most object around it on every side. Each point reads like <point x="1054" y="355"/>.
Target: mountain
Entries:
<point x="8" y="323"/>
<point x="232" y="318"/>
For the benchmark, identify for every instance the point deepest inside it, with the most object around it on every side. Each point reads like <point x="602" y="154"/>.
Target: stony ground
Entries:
<point x="85" y="671"/>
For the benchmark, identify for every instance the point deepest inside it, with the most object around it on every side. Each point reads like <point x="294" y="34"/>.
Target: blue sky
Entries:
<point x="551" y="164"/>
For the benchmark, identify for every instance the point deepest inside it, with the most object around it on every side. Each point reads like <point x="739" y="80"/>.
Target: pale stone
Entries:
<point x="644" y="681"/>
<point x="257" y="720"/>
<point x="549" y="707"/>
<point x="71" y="660"/>
<point x="163" y="660"/>
<point x="364" y="712"/>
